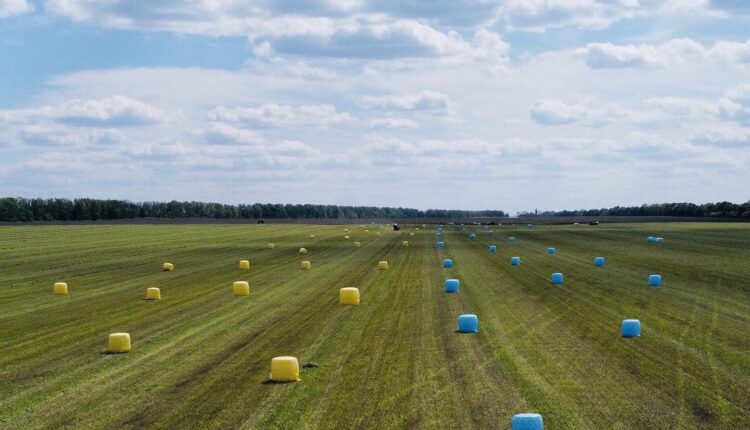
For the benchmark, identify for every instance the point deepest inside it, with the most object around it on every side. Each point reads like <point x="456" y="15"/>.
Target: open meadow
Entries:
<point x="201" y="356"/>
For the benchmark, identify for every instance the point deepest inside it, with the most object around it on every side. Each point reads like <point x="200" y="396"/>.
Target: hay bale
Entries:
<point x="452" y="285"/>
<point x="244" y="264"/>
<point x="515" y="261"/>
<point x="411" y="234"/>
<point x="60" y="289"/>
<point x="118" y="342"/>
<point x="473" y="236"/>
<point x="468" y="323"/>
<point x="346" y="230"/>
<point x="382" y="265"/>
<point x="493" y="249"/>
<point x="167" y="267"/>
<point x="303" y="250"/>
<point x="305" y="265"/>
<point x="551" y="251"/>
<point x="654" y="280"/>
<point x="346" y="237"/>
<point x="557" y="278"/>
<point x="511" y="239"/>
<point x="405" y="243"/>
<point x="441" y="245"/>
<point x="527" y="421"/>
<point x="284" y="369"/>
<point x="651" y="239"/>
<point x="153" y="293"/>
<point x="349" y="296"/>
<point x="447" y="263"/>
<point x="271" y="246"/>
<point x="659" y="240"/>
<point x="357" y="244"/>
<point x="599" y="261"/>
<point x="630" y="328"/>
<point x="241" y="288"/>
<point x="312" y="236"/>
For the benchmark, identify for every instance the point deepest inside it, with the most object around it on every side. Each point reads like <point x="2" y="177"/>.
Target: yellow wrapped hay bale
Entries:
<point x="118" y="342"/>
<point x="168" y="267"/>
<point x="357" y="244"/>
<point x="312" y="236"/>
<point x="153" y="293"/>
<point x="271" y="246"/>
<point x="244" y="264"/>
<point x="60" y="288"/>
<point x="383" y="265"/>
<point x="405" y="243"/>
<point x="346" y="230"/>
<point x="346" y="237"/>
<point x="349" y="296"/>
<point x="367" y="231"/>
<point x="411" y="234"/>
<point x="241" y="288"/>
<point x="303" y="250"/>
<point x="284" y="369"/>
<point x="305" y="265"/>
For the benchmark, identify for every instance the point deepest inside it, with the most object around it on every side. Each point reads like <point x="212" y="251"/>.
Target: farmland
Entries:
<point x="200" y="356"/>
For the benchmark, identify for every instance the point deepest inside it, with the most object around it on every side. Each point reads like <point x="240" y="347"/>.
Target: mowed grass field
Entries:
<point x="201" y="356"/>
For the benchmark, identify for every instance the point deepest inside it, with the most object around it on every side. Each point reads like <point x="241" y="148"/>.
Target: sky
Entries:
<point x="475" y="104"/>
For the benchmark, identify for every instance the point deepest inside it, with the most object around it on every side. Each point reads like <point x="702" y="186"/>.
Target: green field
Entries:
<point x="201" y="356"/>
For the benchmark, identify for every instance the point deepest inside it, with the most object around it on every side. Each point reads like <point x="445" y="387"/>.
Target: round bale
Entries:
<point x="349" y="296"/>
<point x="153" y="293"/>
<point x="118" y="342"/>
<point x="468" y="323"/>
<point x="452" y="285"/>
<point x="60" y="288"/>
<point x="284" y="369"/>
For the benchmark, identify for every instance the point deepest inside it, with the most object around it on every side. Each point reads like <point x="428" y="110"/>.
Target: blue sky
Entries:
<point x="476" y="104"/>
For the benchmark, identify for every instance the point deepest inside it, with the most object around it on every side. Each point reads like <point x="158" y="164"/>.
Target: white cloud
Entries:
<point x="393" y="123"/>
<point x="424" y="101"/>
<point x="556" y="112"/>
<point x="723" y="137"/>
<point x="543" y="15"/>
<point x="672" y="53"/>
<point x="14" y="7"/>
<point x="108" y="112"/>
<point x="275" y="115"/>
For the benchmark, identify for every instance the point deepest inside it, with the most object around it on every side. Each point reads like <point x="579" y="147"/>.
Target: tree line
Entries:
<point x="706" y="210"/>
<point x="14" y="209"/>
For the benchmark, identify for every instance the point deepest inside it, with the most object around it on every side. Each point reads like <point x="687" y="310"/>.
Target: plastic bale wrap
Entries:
<point x="153" y="293"/>
<point x="515" y="261"/>
<point x="557" y="278"/>
<point x="118" y="342"/>
<point x="271" y="246"/>
<point x="472" y="236"/>
<point x="312" y="236"/>
<point x="346" y="237"/>
<point x="349" y="296"/>
<point x="447" y="263"/>
<point x="511" y="239"/>
<point x="357" y="244"/>
<point x="405" y="243"/>
<point x="599" y="261"/>
<point x="654" y="280"/>
<point x="411" y="234"/>
<point x="527" y="421"/>
<point x="452" y="285"/>
<point x="492" y="249"/>
<point x="382" y="265"/>
<point x="551" y="251"/>
<point x="244" y="264"/>
<point x="651" y="239"/>
<point x="60" y="289"/>
<point x="168" y="267"/>
<point x="468" y="323"/>
<point x="303" y="250"/>
<point x="241" y="288"/>
<point x="284" y="369"/>
<point x="630" y="328"/>
<point x="305" y="265"/>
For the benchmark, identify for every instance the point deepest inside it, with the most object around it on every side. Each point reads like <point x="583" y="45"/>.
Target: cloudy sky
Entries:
<point x="474" y="104"/>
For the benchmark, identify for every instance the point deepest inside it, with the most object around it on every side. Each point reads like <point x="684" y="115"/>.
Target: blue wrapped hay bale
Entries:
<point x="654" y="280"/>
<point x="515" y="261"/>
<point x="493" y="249"/>
<point x="599" y="261"/>
<point x="473" y="236"/>
<point x="556" y="278"/>
<point x="512" y="239"/>
<point x="551" y="251"/>
<point x="452" y="285"/>
<point x="659" y="240"/>
<point x="468" y="323"/>
<point x="651" y="239"/>
<point x="441" y="245"/>
<point x="527" y="421"/>
<point x="447" y="263"/>
<point x="630" y="328"/>
<point x="530" y="225"/>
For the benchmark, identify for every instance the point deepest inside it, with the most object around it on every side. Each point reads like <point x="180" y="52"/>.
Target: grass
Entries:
<point x="201" y="356"/>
